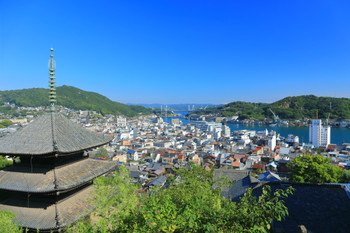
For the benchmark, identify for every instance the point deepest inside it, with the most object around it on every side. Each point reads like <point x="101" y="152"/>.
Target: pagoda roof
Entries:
<point x="61" y="179"/>
<point x="51" y="133"/>
<point x="44" y="216"/>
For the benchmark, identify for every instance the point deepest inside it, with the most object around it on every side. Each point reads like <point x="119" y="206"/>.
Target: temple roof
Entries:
<point x="50" y="133"/>
<point x="41" y="215"/>
<point x="43" y="180"/>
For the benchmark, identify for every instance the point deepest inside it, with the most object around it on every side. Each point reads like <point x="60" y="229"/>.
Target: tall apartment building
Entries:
<point x="319" y="135"/>
<point x="272" y="140"/>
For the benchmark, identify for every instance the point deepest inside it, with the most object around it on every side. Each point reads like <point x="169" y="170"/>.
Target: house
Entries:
<point x="163" y="144"/>
<point x="159" y="181"/>
<point x="120" y="158"/>
<point x="155" y="169"/>
<point x="195" y="159"/>
<point x="236" y="163"/>
<point x="169" y="157"/>
<point x="331" y="148"/>
<point x="180" y="158"/>
<point x="259" y="150"/>
<point x="259" y="165"/>
<point x="285" y="151"/>
<point x="133" y="155"/>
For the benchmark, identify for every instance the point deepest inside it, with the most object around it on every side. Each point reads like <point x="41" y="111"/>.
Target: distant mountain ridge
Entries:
<point x="293" y="107"/>
<point x="71" y="97"/>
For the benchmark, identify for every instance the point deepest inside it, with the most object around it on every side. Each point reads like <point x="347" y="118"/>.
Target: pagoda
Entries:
<point x="49" y="188"/>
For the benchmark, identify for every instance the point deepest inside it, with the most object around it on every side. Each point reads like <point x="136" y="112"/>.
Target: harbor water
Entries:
<point x="338" y="135"/>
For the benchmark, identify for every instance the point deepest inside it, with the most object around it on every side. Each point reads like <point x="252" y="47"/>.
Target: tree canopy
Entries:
<point x="101" y="151"/>
<point x="316" y="169"/>
<point x="187" y="204"/>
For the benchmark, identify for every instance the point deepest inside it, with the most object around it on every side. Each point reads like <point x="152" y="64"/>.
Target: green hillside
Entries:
<point x="71" y="97"/>
<point x="294" y="107"/>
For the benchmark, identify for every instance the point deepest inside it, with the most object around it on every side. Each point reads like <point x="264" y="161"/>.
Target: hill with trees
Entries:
<point x="294" y="108"/>
<point x="70" y="97"/>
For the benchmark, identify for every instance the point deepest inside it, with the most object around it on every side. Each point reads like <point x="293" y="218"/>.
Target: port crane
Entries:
<point x="275" y="117"/>
<point x="330" y="109"/>
<point x="327" y="121"/>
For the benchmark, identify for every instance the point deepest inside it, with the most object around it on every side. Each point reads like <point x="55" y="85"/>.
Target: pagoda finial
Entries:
<point x="52" y="66"/>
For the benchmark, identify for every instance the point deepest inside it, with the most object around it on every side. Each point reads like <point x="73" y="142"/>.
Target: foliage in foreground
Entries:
<point x="316" y="169"/>
<point x="188" y="205"/>
<point x="4" y="162"/>
<point x="6" y="223"/>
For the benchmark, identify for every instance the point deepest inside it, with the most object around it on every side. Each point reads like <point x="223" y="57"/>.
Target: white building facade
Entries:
<point x="271" y="140"/>
<point x="319" y="135"/>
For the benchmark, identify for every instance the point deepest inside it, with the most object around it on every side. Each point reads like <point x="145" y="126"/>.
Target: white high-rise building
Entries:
<point x="226" y="131"/>
<point x="319" y="135"/>
<point x="271" y="140"/>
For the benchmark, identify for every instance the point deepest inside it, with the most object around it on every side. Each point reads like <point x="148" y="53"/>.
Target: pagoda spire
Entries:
<point x="52" y="66"/>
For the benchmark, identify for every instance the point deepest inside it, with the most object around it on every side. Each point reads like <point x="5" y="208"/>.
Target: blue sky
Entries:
<point x="179" y="51"/>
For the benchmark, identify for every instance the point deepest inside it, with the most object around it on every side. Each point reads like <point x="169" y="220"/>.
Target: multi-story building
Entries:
<point x="271" y="140"/>
<point x="319" y="135"/>
<point x="206" y="126"/>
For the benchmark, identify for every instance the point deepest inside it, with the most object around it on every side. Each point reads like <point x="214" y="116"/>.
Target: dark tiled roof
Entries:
<point x="41" y="181"/>
<point x="43" y="216"/>
<point x="320" y="208"/>
<point x="231" y="174"/>
<point x="269" y="176"/>
<point x="155" y="166"/>
<point x="239" y="178"/>
<point x="50" y="133"/>
<point x="237" y="190"/>
<point x="160" y="180"/>
<point x="134" y="174"/>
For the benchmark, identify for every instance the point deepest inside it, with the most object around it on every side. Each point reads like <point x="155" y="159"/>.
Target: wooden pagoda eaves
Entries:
<point x="51" y="133"/>
<point x="61" y="179"/>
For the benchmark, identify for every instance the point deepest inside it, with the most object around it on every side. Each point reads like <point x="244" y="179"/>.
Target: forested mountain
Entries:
<point x="71" y="97"/>
<point x="294" y="107"/>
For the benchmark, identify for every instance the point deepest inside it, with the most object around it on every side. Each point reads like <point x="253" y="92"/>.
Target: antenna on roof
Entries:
<point x="52" y="66"/>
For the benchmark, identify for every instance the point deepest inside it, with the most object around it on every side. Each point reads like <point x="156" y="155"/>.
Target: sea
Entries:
<point x="338" y="135"/>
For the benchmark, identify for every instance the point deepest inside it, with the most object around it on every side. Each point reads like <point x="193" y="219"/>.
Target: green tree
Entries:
<point x="189" y="204"/>
<point x="6" y="122"/>
<point x="101" y="151"/>
<point x="315" y="169"/>
<point x="4" y="162"/>
<point x="6" y="223"/>
<point x="115" y="198"/>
